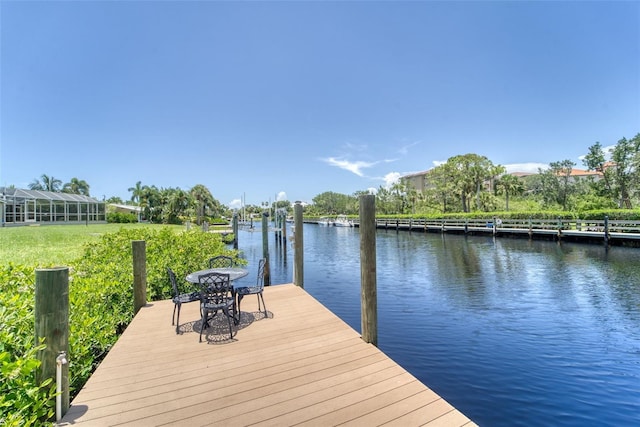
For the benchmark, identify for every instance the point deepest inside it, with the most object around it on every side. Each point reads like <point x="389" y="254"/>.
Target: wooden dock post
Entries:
<point x="368" y="285"/>
<point x="265" y="248"/>
<point x="606" y="230"/>
<point x="284" y="233"/>
<point x="138" y="248"/>
<point x="52" y="325"/>
<point x="298" y="259"/>
<point x="284" y="237"/>
<point x="235" y="231"/>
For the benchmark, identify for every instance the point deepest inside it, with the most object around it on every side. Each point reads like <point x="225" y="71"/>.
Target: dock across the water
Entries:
<point x="607" y="231"/>
<point x="300" y="366"/>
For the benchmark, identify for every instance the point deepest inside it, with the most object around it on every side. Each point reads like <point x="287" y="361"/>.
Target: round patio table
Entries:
<point x="234" y="273"/>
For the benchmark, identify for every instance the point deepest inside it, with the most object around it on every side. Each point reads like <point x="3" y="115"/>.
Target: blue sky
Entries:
<point x="292" y="99"/>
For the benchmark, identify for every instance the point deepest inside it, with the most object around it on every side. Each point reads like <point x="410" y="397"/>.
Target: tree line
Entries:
<point x="174" y="205"/>
<point x="160" y="205"/>
<point x="49" y="183"/>
<point x="473" y="183"/>
<point x="464" y="183"/>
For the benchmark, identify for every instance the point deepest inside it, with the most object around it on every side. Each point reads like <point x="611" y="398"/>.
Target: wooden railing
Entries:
<point x="561" y="228"/>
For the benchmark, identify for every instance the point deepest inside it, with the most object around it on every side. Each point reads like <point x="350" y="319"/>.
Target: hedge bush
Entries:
<point x="613" y="214"/>
<point x="121" y="217"/>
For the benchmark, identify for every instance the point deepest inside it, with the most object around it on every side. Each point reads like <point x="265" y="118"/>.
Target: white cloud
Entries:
<point x="372" y="190"/>
<point x="235" y="204"/>
<point x="439" y="162"/>
<point x="526" y="167"/>
<point x="391" y="178"/>
<point x="281" y="196"/>
<point x="354" y="167"/>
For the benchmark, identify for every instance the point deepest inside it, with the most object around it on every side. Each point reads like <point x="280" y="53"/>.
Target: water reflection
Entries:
<point x="510" y="331"/>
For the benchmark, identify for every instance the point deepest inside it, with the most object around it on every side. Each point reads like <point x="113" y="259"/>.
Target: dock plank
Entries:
<point x="301" y="365"/>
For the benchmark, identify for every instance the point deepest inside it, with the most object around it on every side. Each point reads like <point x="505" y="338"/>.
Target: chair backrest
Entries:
<point x="174" y="282"/>
<point x="260" y="279"/>
<point x="215" y="288"/>
<point x="220" y="261"/>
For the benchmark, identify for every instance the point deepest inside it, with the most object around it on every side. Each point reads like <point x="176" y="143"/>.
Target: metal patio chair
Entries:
<point x="216" y="294"/>
<point x="254" y="290"/>
<point x="220" y="261"/>
<point x="179" y="298"/>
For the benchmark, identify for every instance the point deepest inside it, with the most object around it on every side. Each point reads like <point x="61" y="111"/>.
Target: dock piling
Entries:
<point x="265" y="248"/>
<point x="369" y="299"/>
<point x="139" y="274"/>
<point x="52" y="326"/>
<point x="298" y="262"/>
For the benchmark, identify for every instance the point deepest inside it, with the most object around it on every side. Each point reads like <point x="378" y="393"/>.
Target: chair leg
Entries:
<point x="240" y="296"/>
<point x="173" y="317"/>
<point x="178" y="318"/>
<point x="261" y="297"/>
<point x="226" y="312"/>
<point x="236" y="307"/>
<point x="204" y="322"/>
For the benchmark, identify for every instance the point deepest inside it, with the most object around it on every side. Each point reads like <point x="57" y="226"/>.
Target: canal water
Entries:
<point x="511" y="332"/>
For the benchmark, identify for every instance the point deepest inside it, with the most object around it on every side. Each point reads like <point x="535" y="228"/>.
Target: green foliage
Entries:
<point x="101" y="306"/>
<point x="488" y="215"/>
<point x="590" y="202"/>
<point x="599" y="214"/>
<point x="613" y="214"/>
<point x="174" y="205"/>
<point x="331" y="203"/>
<point x="23" y="401"/>
<point x="121" y="217"/>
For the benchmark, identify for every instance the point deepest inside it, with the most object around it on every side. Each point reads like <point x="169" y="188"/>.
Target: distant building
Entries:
<point x="578" y="174"/>
<point x="419" y="181"/>
<point x="136" y="210"/>
<point x="29" y="207"/>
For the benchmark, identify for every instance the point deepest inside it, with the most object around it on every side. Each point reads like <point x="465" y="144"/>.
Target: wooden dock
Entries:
<point x="617" y="232"/>
<point x="300" y="366"/>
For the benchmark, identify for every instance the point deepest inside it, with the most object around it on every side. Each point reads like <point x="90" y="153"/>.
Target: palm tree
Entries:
<point x="46" y="183"/>
<point x="36" y="185"/>
<point x="177" y="205"/>
<point x="136" y="192"/>
<point x="203" y="198"/>
<point x="76" y="186"/>
<point x="510" y="185"/>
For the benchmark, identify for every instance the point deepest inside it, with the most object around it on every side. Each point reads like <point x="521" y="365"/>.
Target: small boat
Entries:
<point x="325" y="221"/>
<point x="342" y="221"/>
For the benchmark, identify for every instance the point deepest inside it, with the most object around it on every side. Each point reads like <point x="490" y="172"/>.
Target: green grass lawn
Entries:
<point x="53" y="245"/>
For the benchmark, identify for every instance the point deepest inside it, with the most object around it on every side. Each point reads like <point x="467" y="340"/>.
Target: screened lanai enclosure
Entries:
<point x="27" y="207"/>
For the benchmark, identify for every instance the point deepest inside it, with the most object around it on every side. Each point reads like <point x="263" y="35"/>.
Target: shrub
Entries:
<point x="22" y="400"/>
<point x="121" y="217"/>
